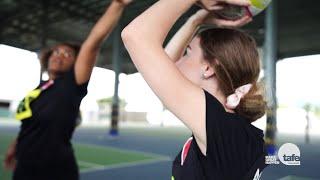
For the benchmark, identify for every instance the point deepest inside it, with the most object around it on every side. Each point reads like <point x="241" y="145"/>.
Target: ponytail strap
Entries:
<point x="234" y="99"/>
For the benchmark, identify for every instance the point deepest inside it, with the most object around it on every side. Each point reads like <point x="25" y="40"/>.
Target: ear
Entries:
<point x="207" y="71"/>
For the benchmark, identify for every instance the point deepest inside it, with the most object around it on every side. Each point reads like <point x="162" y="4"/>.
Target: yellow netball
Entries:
<point x="257" y="6"/>
<point x="236" y="12"/>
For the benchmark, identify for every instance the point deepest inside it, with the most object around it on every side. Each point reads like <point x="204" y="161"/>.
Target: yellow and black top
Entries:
<point x="48" y="115"/>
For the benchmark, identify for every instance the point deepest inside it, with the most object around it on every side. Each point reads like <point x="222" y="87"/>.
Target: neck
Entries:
<point x="53" y="75"/>
<point x="217" y="93"/>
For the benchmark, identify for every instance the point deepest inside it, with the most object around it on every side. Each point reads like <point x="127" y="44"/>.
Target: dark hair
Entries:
<point x="46" y="53"/>
<point x="234" y="56"/>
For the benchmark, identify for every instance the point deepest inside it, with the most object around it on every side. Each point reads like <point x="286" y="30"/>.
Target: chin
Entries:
<point x="54" y="69"/>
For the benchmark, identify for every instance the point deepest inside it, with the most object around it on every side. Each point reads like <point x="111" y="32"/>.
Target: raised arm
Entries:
<point x="101" y="30"/>
<point x="178" y="43"/>
<point x="143" y="38"/>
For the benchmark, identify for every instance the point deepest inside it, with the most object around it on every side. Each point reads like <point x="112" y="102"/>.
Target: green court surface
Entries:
<point x="90" y="157"/>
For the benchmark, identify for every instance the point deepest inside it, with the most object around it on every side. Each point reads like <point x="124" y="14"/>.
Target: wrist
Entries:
<point x="198" y="18"/>
<point x="194" y="22"/>
<point x="119" y="3"/>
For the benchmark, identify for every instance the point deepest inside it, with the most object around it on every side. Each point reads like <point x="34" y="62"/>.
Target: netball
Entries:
<point x="236" y="12"/>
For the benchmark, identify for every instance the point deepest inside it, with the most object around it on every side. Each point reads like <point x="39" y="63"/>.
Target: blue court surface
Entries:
<point x="147" y="153"/>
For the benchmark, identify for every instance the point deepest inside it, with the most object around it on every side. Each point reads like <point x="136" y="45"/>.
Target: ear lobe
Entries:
<point x="209" y="72"/>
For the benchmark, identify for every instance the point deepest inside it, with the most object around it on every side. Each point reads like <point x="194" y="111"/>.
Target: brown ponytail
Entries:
<point x="234" y="56"/>
<point x="253" y="105"/>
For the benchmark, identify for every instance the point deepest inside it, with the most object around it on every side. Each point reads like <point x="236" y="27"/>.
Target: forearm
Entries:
<point x="13" y="145"/>
<point x="14" y="141"/>
<point x="105" y="25"/>
<point x="90" y="48"/>
<point x="12" y="149"/>
<point x="151" y="26"/>
<point x="177" y="45"/>
<point x="10" y="157"/>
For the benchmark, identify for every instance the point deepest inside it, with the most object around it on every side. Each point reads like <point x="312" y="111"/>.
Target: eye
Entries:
<point x="55" y="53"/>
<point x="185" y="52"/>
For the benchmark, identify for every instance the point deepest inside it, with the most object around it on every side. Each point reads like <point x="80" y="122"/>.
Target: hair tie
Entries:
<point x="234" y="99"/>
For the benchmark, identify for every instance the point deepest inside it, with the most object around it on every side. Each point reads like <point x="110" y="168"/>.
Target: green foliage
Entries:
<point x="317" y="111"/>
<point x="307" y="107"/>
<point x="109" y="100"/>
<point x="312" y="108"/>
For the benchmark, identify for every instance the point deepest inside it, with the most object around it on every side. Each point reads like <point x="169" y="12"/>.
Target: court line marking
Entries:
<point x="83" y="163"/>
<point x="93" y="167"/>
<point x="116" y="149"/>
<point x="125" y="165"/>
<point x="89" y="164"/>
<point x="121" y="150"/>
<point x="155" y="158"/>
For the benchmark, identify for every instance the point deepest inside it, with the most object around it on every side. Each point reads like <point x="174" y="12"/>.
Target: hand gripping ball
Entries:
<point x="236" y="12"/>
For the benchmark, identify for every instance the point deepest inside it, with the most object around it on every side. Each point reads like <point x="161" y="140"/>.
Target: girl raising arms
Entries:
<point x="212" y="88"/>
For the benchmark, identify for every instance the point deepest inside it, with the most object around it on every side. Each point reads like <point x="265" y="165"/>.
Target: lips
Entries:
<point x="57" y="61"/>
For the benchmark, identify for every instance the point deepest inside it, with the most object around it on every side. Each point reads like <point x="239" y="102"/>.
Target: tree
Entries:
<point x="108" y="100"/>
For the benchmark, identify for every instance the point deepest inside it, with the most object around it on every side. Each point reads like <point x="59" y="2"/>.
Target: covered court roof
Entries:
<point x="29" y="24"/>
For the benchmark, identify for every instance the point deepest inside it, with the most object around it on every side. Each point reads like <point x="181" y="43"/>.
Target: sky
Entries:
<point x="298" y="80"/>
<point x="297" y="83"/>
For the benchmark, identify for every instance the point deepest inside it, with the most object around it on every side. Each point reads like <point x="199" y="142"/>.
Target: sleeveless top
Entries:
<point x="235" y="148"/>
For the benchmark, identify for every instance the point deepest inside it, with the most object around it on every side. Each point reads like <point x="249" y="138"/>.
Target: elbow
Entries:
<point x="137" y="38"/>
<point x="127" y="35"/>
<point x="132" y="34"/>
